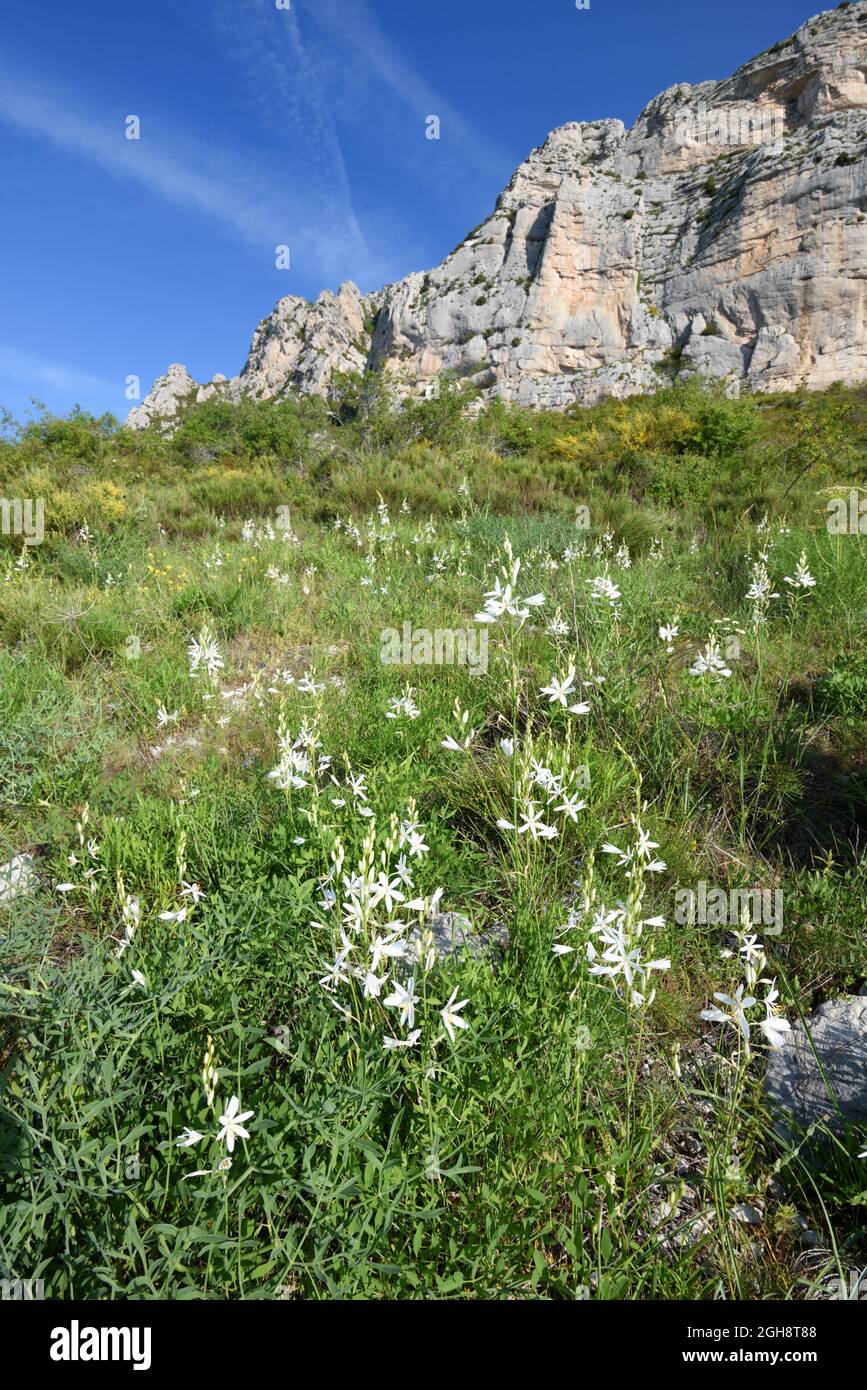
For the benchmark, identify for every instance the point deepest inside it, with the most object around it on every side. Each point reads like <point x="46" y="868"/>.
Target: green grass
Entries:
<point x="568" y="1143"/>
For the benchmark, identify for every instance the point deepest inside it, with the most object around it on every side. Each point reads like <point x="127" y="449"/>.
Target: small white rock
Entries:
<point x="17" y="878"/>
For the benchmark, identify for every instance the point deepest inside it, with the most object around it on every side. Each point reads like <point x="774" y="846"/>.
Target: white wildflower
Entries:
<point x="204" y="654"/>
<point x="405" y="999"/>
<point x="451" y="1017"/>
<point x="604" y="590"/>
<point x="188" y="1138"/>
<point x="233" y="1124"/>
<point x="710" y="662"/>
<point x="735" y="1013"/>
<point x="802" y="577"/>
<point x="410" y="1041"/>
<point x="403" y="706"/>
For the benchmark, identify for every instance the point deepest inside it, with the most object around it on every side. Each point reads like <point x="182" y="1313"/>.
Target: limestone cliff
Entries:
<point x="725" y="233"/>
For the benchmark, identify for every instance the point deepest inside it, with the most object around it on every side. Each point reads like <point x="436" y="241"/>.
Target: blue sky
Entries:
<point x="302" y="126"/>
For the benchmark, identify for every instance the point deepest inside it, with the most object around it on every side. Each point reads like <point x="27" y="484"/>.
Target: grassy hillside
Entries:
<point x="238" y="814"/>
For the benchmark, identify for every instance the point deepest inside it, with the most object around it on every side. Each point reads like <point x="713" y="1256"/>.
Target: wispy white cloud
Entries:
<point x="325" y="69"/>
<point x="30" y="369"/>
<point x="280" y="83"/>
<point x="374" y="73"/>
<point x="283" y="79"/>
<point x="245" y="197"/>
<point x="313" y="74"/>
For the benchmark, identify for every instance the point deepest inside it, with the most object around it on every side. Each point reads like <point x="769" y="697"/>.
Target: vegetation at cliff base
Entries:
<point x="356" y="763"/>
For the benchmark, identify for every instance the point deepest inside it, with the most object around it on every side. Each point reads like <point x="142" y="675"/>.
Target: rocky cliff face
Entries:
<point x="724" y="234"/>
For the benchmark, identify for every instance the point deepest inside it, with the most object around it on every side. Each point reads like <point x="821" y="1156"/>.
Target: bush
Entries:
<point x="247" y="429"/>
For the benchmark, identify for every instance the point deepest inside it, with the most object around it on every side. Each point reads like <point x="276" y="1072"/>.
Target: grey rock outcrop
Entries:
<point x="301" y="344"/>
<point x="795" y="1083"/>
<point x="165" y="398"/>
<point x="724" y="234"/>
<point x="450" y="934"/>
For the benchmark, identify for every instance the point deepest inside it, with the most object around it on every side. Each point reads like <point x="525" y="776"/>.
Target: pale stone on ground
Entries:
<point x="17" y="878"/>
<point x="794" y="1080"/>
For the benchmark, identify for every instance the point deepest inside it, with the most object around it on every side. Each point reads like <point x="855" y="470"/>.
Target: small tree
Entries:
<point x="820" y="436"/>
